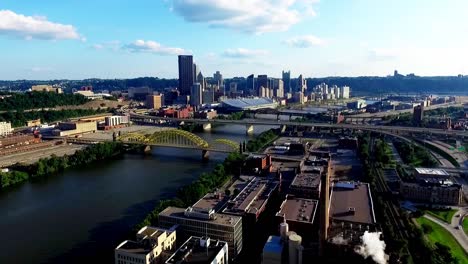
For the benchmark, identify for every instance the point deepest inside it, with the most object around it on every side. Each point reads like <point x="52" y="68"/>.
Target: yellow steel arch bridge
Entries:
<point x="179" y="139"/>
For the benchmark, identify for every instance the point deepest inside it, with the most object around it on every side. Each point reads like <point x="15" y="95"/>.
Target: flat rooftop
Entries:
<point x="192" y="252"/>
<point x="211" y="201"/>
<point x="306" y="180"/>
<point x="252" y="198"/>
<point x="219" y="219"/>
<point x="134" y="247"/>
<point x="298" y="209"/>
<point x="352" y="202"/>
<point x="432" y="172"/>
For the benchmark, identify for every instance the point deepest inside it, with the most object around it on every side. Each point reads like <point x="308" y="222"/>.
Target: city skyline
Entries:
<point x="79" y="40"/>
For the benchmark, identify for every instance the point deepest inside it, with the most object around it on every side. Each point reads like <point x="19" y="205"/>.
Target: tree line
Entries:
<point x="261" y="140"/>
<point x="19" y="118"/>
<point x="52" y="165"/>
<point x="36" y="100"/>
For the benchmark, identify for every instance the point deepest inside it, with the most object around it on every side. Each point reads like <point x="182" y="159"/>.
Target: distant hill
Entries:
<point x="457" y="85"/>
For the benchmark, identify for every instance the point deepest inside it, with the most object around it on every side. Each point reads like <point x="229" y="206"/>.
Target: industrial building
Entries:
<point x="5" y="128"/>
<point x="201" y="250"/>
<point x="299" y="214"/>
<point x="352" y="213"/>
<point x="253" y="199"/>
<point x="205" y="222"/>
<point x="72" y="128"/>
<point x="446" y="193"/>
<point x="257" y="163"/>
<point x="306" y="185"/>
<point x="46" y="88"/>
<point x="153" y="245"/>
<point x="286" y="249"/>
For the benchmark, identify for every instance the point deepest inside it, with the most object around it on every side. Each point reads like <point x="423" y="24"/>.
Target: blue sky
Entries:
<point x="77" y="39"/>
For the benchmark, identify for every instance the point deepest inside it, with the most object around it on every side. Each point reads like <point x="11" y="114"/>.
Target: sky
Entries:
<point x="79" y="39"/>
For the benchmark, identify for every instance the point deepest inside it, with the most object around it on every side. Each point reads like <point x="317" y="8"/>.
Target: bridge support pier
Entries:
<point x="283" y="128"/>
<point x="205" y="155"/>
<point x="249" y="129"/>
<point x="147" y="150"/>
<point x="207" y="127"/>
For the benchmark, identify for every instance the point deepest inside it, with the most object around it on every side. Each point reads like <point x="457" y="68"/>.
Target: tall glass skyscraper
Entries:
<point x="186" y="74"/>
<point x="287" y="81"/>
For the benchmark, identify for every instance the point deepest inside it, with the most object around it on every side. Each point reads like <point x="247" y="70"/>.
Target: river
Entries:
<point x="81" y="215"/>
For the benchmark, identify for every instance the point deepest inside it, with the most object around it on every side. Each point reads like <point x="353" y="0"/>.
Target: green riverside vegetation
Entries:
<point x="262" y="140"/>
<point x="442" y="242"/>
<point x="444" y="215"/>
<point x="191" y="193"/>
<point x="19" y="118"/>
<point x="53" y="165"/>
<point x="415" y="155"/>
<point x="35" y="100"/>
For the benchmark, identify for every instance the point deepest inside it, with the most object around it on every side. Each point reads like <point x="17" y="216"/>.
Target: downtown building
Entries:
<point x="186" y="74"/>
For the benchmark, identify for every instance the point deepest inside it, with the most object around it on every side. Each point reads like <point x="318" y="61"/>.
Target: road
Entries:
<point x="458" y="234"/>
<point x="33" y="156"/>
<point x="387" y="129"/>
<point x="397" y="112"/>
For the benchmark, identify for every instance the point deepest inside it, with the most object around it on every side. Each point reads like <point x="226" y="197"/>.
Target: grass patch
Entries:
<point x="439" y="234"/>
<point x="465" y="225"/>
<point x="444" y="215"/>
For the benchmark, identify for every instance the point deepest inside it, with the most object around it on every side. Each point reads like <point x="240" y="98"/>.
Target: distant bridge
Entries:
<point x="249" y="123"/>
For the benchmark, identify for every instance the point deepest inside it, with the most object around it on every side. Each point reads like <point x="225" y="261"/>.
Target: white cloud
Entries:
<point x="252" y="16"/>
<point x="154" y="47"/>
<point x="35" y="27"/>
<point x="244" y="53"/>
<point x="306" y="41"/>
<point x="111" y="45"/>
<point x="42" y="69"/>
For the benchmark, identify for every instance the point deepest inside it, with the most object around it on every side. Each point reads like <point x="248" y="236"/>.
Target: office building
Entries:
<point x="186" y="74"/>
<point x="153" y="245"/>
<point x="201" y="250"/>
<point x="218" y="78"/>
<point x="5" y="128"/>
<point x="208" y="96"/>
<point x="287" y="81"/>
<point x="299" y="97"/>
<point x="344" y="92"/>
<point x="154" y="101"/>
<point x="199" y="78"/>
<point x="205" y="222"/>
<point x="250" y="85"/>
<point x="196" y="95"/>
<point x="262" y="81"/>
<point x="139" y="93"/>
<point x="301" y="84"/>
<point x="434" y="186"/>
<point x="278" y="88"/>
<point x="46" y="88"/>
<point x="418" y="114"/>
<point x="233" y="87"/>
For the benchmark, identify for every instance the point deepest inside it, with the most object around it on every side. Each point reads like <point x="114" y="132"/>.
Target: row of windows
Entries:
<point x="126" y="259"/>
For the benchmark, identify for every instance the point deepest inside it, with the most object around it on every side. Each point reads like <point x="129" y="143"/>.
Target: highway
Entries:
<point x="391" y="129"/>
<point x="458" y="234"/>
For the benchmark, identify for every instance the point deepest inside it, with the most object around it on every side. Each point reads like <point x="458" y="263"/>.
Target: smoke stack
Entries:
<point x="325" y="203"/>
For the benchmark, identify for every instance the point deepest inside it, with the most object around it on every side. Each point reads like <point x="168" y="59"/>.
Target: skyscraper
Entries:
<point x="251" y="84"/>
<point x="196" y="94"/>
<point x="278" y="88"/>
<point x="301" y="84"/>
<point x="186" y="74"/>
<point x="218" y="78"/>
<point x="287" y="81"/>
<point x="262" y="81"/>
<point x="418" y="114"/>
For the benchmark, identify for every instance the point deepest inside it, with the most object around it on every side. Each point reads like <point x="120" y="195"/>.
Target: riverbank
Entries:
<point x="51" y="166"/>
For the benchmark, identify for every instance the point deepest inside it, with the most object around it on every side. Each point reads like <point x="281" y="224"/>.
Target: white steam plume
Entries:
<point x="372" y="247"/>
